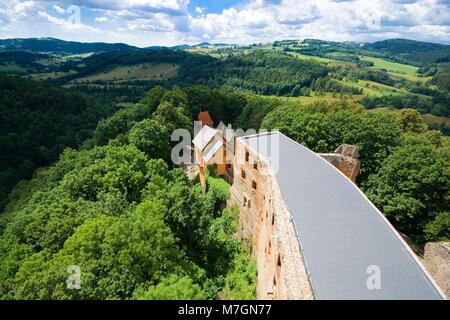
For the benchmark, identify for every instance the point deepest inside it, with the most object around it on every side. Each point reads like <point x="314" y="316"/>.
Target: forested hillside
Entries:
<point x="60" y="46"/>
<point x="136" y="227"/>
<point x="376" y="75"/>
<point x="415" y="51"/>
<point x="38" y="122"/>
<point x="262" y="72"/>
<point x="112" y="205"/>
<point x="385" y="74"/>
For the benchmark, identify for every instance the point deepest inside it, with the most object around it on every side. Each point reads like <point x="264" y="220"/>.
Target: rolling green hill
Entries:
<point x="142" y="71"/>
<point x="442" y="77"/>
<point x="387" y="73"/>
<point x="22" y="62"/>
<point x="60" y="46"/>
<point x="260" y="71"/>
<point x="416" y="51"/>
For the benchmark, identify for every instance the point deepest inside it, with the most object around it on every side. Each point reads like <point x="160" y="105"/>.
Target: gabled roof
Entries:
<point x="204" y="136"/>
<point x="221" y="127"/>
<point x="205" y="118"/>
<point x="227" y="133"/>
<point x="340" y="232"/>
<point x="211" y="150"/>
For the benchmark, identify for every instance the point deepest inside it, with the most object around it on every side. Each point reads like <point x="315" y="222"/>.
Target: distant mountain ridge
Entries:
<point x="403" y="46"/>
<point x="187" y="46"/>
<point x="60" y="46"/>
<point x="404" y="50"/>
<point x="409" y="50"/>
<point x="412" y="50"/>
<point x="53" y="45"/>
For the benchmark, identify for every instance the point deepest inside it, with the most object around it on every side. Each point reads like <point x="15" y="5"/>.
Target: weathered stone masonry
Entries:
<point x="345" y="158"/>
<point x="437" y="262"/>
<point x="265" y="220"/>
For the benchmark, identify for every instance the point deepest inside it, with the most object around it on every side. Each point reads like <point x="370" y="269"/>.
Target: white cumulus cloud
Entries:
<point x="101" y="19"/>
<point x="59" y="9"/>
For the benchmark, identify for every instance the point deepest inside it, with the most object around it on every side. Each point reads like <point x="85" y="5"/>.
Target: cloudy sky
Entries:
<point x="169" y="22"/>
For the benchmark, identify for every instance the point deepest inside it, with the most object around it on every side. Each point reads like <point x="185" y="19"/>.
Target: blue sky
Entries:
<point x="170" y="22"/>
<point x="213" y="6"/>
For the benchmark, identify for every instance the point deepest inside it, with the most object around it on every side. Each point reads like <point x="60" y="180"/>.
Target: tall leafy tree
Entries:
<point x="413" y="187"/>
<point x="411" y="121"/>
<point x="174" y="288"/>
<point x="151" y="137"/>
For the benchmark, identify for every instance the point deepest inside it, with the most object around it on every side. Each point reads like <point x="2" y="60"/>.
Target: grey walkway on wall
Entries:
<point x="343" y="237"/>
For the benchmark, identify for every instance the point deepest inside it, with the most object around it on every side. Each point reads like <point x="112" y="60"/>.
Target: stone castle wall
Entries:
<point x="265" y="220"/>
<point x="345" y="159"/>
<point x="437" y="262"/>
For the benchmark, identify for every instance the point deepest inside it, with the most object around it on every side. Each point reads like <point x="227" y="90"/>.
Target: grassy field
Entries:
<point x="78" y="56"/>
<point x="372" y="88"/>
<point x="314" y="58"/>
<point x="412" y="77"/>
<point x="50" y="75"/>
<point x="205" y="51"/>
<point x="391" y="66"/>
<point x="144" y="71"/>
<point x="10" y="67"/>
<point x="314" y="98"/>
<point x="396" y="69"/>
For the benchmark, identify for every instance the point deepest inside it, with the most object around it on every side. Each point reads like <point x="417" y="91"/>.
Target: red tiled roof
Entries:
<point x="205" y="118"/>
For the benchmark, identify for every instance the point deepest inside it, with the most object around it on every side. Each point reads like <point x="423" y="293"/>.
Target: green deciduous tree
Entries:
<point x="411" y="121"/>
<point x="439" y="228"/>
<point x="310" y="129"/>
<point x="116" y="256"/>
<point x="174" y="288"/>
<point x="412" y="187"/>
<point x="134" y="227"/>
<point x="173" y="116"/>
<point x="324" y="128"/>
<point x="375" y="133"/>
<point x="152" y="138"/>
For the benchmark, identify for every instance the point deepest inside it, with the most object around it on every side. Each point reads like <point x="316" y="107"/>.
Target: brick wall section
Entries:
<point x="345" y="159"/>
<point x="437" y="263"/>
<point x="347" y="165"/>
<point x="265" y="220"/>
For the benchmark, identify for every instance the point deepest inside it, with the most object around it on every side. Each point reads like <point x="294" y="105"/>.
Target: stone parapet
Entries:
<point x="345" y="159"/>
<point x="265" y="219"/>
<point x="437" y="262"/>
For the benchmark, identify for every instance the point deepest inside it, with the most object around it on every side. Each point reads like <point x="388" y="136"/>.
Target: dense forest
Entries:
<point x="136" y="226"/>
<point x="109" y="206"/>
<point x="38" y="122"/>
